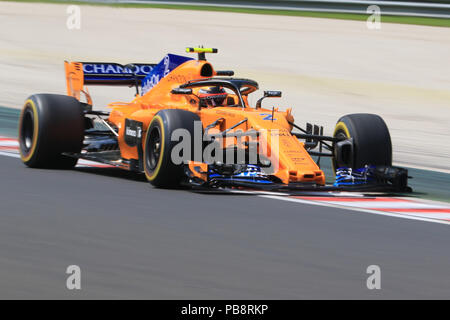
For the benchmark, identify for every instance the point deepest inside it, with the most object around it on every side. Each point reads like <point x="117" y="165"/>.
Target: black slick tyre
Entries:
<point x="50" y="125"/>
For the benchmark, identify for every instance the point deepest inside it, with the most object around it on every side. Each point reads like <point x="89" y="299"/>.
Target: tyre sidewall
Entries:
<point x="167" y="174"/>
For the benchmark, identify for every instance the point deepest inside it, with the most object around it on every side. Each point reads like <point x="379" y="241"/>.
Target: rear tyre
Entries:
<point x="159" y="167"/>
<point x="49" y="125"/>
<point x="371" y="141"/>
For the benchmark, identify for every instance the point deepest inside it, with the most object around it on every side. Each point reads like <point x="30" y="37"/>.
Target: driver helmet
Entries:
<point x="214" y="96"/>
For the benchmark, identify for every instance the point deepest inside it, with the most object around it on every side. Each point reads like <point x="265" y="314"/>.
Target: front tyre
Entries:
<point x="159" y="167"/>
<point x="49" y="125"/>
<point x="371" y="141"/>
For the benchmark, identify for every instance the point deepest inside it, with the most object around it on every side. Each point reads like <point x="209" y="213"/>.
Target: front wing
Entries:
<point x="369" y="179"/>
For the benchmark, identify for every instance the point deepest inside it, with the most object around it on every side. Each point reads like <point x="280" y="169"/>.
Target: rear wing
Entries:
<point x="79" y="74"/>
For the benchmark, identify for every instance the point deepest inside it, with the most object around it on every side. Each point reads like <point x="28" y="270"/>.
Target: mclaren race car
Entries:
<point x="190" y="124"/>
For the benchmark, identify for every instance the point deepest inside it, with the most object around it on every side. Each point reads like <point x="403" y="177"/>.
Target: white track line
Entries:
<point x="9" y="154"/>
<point x="9" y="143"/>
<point x="386" y="205"/>
<point x="340" y="206"/>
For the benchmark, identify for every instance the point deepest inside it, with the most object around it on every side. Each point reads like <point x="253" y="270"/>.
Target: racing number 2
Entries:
<point x="268" y="116"/>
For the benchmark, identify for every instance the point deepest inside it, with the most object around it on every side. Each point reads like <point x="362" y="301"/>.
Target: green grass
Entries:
<point x="9" y="120"/>
<point x="437" y="22"/>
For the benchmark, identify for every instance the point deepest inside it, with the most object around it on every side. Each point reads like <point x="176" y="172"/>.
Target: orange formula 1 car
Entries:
<point x="190" y="124"/>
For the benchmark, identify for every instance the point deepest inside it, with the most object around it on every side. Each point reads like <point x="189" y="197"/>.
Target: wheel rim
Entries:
<point x="154" y="148"/>
<point x="27" y="130"/>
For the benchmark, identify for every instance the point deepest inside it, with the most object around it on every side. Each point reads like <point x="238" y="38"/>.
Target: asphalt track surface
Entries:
<point x="133" y="241"/>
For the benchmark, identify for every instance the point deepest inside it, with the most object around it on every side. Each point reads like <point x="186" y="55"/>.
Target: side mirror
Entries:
<point x="272" y="94"/>
<point x="225" y="73"/>
<point x="268" y="94"/>
<point x="181" y="91"/>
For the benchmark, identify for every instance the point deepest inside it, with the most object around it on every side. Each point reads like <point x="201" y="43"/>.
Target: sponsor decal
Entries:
<point x="133" y="132"/>
<point x="115" y="69"/>
<point x="280" y="132"/>
<point x="162" y="69"/>
<point x="225" y="113"/>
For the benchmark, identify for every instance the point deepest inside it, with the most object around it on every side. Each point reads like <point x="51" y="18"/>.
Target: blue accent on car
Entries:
<point x="251" y="174"/>
<point x="246" y="180"/>
<point x="268" y="116"/>
<point x="162" y="69"/>
<point x="349" y="177"/>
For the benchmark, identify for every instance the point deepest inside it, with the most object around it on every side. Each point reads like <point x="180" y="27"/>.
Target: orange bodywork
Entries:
<point x="294" y="162"/>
